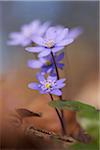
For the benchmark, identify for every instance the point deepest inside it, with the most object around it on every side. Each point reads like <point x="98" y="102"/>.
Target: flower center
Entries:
<point x="49" y="44"/>
<point x="48" y="63"/>
<point x="47" y="85"/>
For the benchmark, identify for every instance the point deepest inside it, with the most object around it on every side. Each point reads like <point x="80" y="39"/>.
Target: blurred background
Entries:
<point x="81" y="68"/>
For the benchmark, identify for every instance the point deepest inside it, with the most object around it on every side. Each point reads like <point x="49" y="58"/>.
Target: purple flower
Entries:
<point x="54" y="40"/>
<point x="50" y="85"/>
<point x="24" y="37"/>
<point x="46" y="64"/>
<point x="75" y="32"/>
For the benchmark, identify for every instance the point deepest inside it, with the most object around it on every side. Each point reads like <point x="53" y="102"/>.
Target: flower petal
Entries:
<point x="33" y="85"/>
<point x="15" y="35"/>
<point x="44" y="53"/>
<point x="59" y="30"/>
<point x="13" y="42"/>
<point x="56" y="92"/>
<point x="25" y="42"/>
<point x="42" y="92"/>
<point x="75" y="32"/>
<point x="45" y="68"/>
<point x="36" y="49"/>
<point x="43" y="28"/>
<point x="60" y="57"/>
<point x="51" y="33"/>
<point x="43" y="60"/>
<point x="35" y="25"/>
<point x="49" y="70"/>
<point x="34" y="64"/>
<point x="56" y="49"/>
<point x="65" y="42"/>
<point x="52" y="78"/>
<point x="40" y="77"/>
<point x="59" y="86"/>
<point x="60" y="81"/>
<point x="15" y="38"/>
<point x="52" y="73"/>
<point x="60" y="65"/>
<point x="62" y="35"/>
<point x="38" y="40"/>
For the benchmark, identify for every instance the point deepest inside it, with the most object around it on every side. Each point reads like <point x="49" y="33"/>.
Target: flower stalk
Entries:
<point x="60" y="118"/>
<point x="58" y="77"/>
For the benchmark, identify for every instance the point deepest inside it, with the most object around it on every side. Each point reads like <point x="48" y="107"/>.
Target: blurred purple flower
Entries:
<point x="46" y="64"/>
<point x="54" y="40"/>
<point x="24" y="37"/>
<point x="50" y="85"/>
<point x="75" y="32"/>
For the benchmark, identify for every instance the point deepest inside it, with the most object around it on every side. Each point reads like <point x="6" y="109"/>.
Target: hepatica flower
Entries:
<point x="47" y="86"/>
<point x="46" y="64"/>
<point x="24" y="37"/>
<point x="54" y="40"/>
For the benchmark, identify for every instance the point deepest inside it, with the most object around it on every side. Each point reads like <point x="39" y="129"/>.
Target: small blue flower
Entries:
<point x="46" y="64"/>
<point x="54" y="40"/>
<point x="24" y="37"/>
<point x="47" y="86"/>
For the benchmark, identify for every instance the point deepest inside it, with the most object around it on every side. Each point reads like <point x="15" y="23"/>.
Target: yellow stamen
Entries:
<point x="47" y="85"/>
<point x="48" y="63"/>
<point x="49" y="44"/>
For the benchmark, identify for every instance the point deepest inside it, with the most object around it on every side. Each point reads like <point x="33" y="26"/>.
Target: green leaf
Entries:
<point x="72" y="105"/>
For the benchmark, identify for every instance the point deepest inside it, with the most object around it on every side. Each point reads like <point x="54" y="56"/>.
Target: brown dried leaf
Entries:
<point x="23" y="112"/>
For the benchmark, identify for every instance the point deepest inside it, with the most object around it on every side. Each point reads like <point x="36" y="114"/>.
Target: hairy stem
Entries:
<point x="57" y="73"/>
<point x="60" y="118"/>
